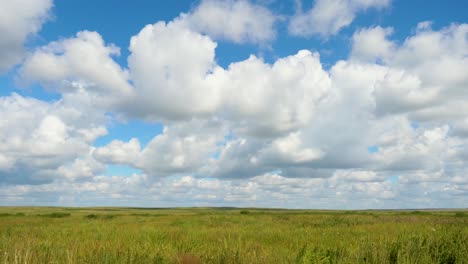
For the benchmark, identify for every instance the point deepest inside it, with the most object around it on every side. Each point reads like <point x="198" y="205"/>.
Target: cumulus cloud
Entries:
<point x="281" y="121"/>
<point x="19" y="19"/>
<point x="328" y="17"/>
<point x="39" y="139"/>
<point x="81" y="67"/>
<point x="427" y="70"/>
<point x="372" y="44"/>
<point x="181" y="148"/>
<point x="119" y="152"/>
<point x="377" y="126"/>
<point x="236" y="21"/>
<point x="167" y="86"/>
<point x="288" y="150"/>
<point x="283" y="100"/>
<point x="370" y="105"/>
<point x="237" y="160"/>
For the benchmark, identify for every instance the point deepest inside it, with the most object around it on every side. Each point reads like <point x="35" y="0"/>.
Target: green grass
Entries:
<point x="229" y="235"/>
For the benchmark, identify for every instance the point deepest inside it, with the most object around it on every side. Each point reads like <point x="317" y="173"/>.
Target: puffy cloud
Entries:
<point x="345" y="126"/>
<point x="167" y="86"/>
<point x="79" y="67"/>
<point x="237" y="160"/>
<point x="428" y="72"/>
<point x="161" y="86"/>
<point x="181" y="148"/>
<point x="283" y="100"/>
<point x="237" y="21"/>
<point x="401" y="92"/>
<point x="83" y="168"/>
<point x="39" y="138"/>
<point x="328" y="17"/>
<point x="119" y="152"/>
<point x="248" y="157"/>
<point x="426" y="149"/>
<point x="288" y="150"/>
<point x="371" y="44"/>
<point x="281" y="121"/>
<point x="372" y="128"/>
<point x="18" y="20"/>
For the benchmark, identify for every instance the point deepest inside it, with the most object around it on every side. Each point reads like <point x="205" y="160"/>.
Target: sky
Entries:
<point x="321" y="104"/>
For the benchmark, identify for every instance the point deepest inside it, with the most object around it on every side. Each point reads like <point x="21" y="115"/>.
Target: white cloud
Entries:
<point x="39" y="138"/>
<point x="19" y="19"/>
<point x="236" y="21"/>
<point x="181" y="148"/>
<point x="79" y="67"/>
<point x="288" y="150"/>
<point x="415" y="150"/>
<point x="266" y="190"/>
<point x="250" y="133"/>
<point x="167" y="86"/>
<point x="119" y="152"/>
<point x="356" y="176"/>
<point x="295" y="101"/>
<point x="237" y="160"/>
<point x="282" y="100"/>
<point x="427" y="75"/>
<point x="328" y="17"/>
<point x="371" y="44"/>
<point x="400" y="92"/>
<point x="83" y="169"/>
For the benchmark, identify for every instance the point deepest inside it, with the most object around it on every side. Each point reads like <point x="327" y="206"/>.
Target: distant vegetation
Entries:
<point x="229" y="235"/>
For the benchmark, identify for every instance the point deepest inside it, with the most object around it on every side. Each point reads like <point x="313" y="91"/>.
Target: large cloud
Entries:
<point x="281" y="121"/>
<point x="374" y="117"/>
<point x="18" y="20"/>
<point x="160" y="85"/>
<point x="372" y="128"/>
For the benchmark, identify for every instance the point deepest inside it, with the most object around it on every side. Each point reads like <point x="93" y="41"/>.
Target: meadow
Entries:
<point x="230" y="235"/>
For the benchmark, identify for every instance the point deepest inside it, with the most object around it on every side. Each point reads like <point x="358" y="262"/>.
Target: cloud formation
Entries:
<point x="42" y="142"/>
<point x="236" y="21"/>
<point x="328" y="17"/>
<point x="19" y="19"/>
<point x="387" y="124"/>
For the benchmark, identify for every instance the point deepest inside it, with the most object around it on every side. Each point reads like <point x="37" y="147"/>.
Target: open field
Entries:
<point x="226" y="235"/>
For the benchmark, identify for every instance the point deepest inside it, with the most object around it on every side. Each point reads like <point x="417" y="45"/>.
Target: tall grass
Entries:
<point x="61" y="235"/>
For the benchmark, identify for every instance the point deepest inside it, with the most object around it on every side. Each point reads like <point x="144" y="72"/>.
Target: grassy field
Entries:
<point x="206" y="235"/>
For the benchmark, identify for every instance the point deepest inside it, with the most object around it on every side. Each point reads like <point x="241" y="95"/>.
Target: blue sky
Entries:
<point x="299" y="104"/>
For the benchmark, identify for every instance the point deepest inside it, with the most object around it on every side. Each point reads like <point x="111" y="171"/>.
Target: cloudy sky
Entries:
<point x="297" y="103"/>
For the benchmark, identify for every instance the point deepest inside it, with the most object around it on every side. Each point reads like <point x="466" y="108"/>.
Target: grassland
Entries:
<point x="207" y="235"/>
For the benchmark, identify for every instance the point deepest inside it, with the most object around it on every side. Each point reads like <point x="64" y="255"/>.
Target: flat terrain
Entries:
<point x="227" y="235"/>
